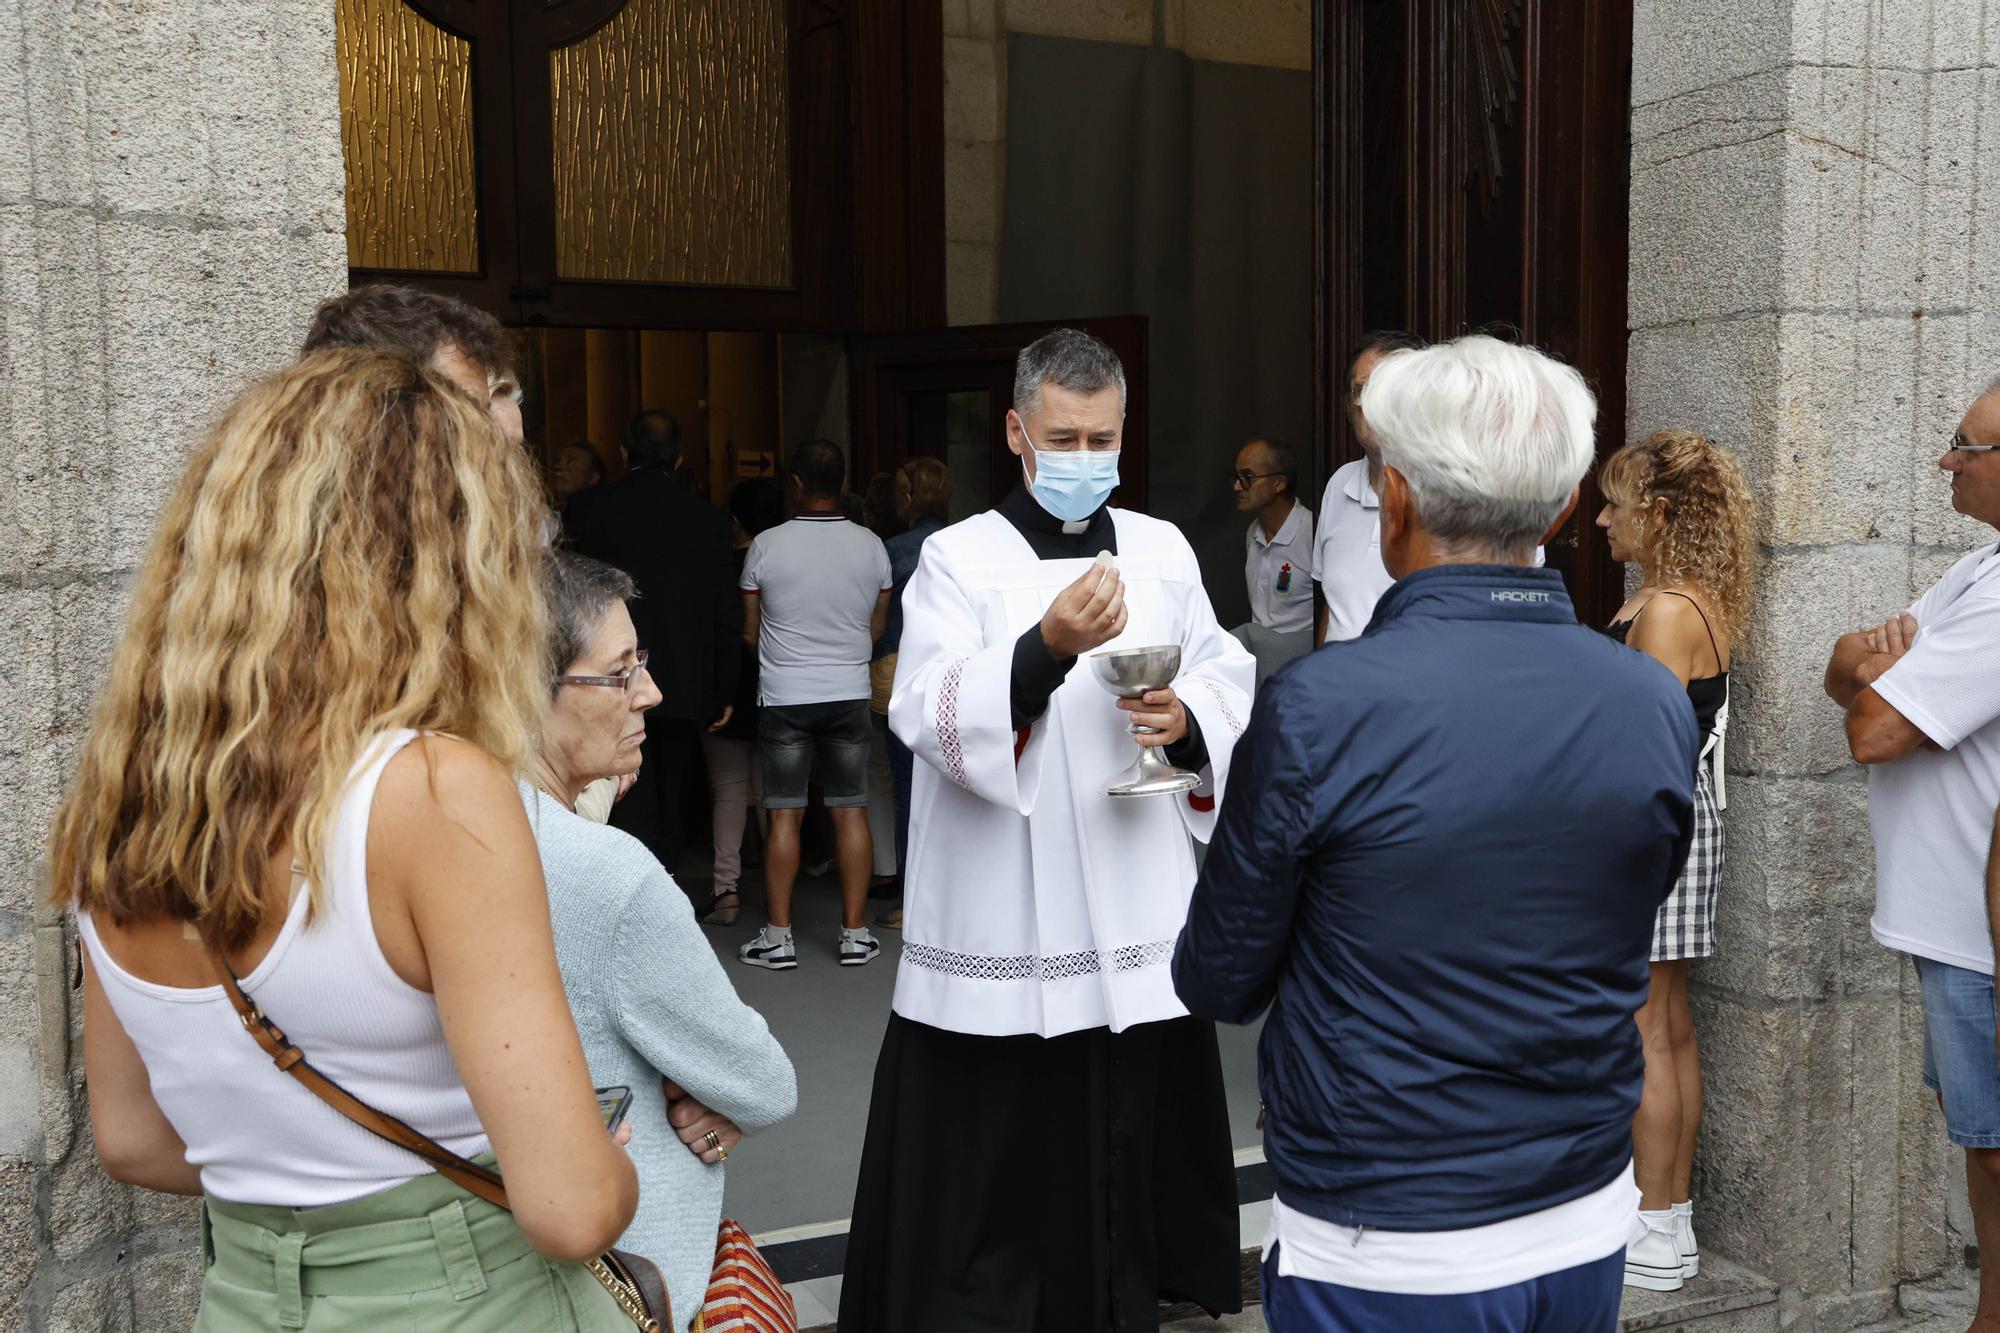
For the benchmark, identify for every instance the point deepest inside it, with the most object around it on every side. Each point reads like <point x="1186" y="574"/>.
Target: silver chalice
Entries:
<point x="1130" y="673"/>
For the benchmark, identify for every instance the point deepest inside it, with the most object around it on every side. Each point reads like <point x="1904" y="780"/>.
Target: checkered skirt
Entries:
<point x="1685" y="927"/>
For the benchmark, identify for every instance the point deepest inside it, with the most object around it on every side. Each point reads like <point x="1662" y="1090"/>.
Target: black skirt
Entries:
<point x="1042" y="1185"/>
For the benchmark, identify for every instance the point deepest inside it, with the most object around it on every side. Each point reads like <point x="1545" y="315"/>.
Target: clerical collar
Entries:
<point x="1025" y="512"/>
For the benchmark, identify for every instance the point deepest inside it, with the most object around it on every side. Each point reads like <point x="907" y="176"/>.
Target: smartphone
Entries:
<point x="612" y="1104"/>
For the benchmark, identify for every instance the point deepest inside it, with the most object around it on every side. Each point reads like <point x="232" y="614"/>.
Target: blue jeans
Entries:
<point x="1960" y="1063"/>
<point x="1583" y="1299"/>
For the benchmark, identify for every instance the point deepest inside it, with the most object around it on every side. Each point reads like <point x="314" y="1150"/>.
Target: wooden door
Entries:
<point x="945" y="393"/>
<point x="1474" y="159"/>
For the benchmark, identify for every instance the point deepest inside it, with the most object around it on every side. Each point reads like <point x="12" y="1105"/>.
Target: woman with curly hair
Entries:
<point x="1678" y="506"/>
<point x="300" y="775"/>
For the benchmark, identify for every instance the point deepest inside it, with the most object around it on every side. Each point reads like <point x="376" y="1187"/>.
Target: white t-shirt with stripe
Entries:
<point x="817" y="579"/>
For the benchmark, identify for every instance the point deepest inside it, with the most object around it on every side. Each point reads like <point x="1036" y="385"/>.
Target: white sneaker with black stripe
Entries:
<point x="1652" y="1260"/>
<point x="1684" y="1241"/>
<point x="857" y="946"/>
<point x="772" y="948"/>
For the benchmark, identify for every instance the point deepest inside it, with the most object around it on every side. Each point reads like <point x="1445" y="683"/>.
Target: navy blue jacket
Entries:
<point x="1438" y="862"/>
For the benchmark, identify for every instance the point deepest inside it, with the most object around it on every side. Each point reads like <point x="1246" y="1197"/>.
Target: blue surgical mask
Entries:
<point x="1072" y="484"/>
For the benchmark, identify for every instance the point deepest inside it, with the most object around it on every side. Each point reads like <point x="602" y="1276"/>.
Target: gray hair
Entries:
<point x="579" y="590"/>
<point x="1069" y="359"/>
<point x="1491" y="438"/>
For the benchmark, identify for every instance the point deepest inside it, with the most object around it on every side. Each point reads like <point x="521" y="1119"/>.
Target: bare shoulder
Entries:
<point x="1675" y="623"/>
<point x="437" y="793"/>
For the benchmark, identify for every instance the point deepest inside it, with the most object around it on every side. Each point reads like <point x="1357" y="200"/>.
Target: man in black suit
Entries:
<point x="681" y="554"/>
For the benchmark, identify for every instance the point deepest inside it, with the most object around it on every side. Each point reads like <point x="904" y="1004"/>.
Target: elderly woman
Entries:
<point x="656" y="1012"/>
<point x="1678" y="506"/>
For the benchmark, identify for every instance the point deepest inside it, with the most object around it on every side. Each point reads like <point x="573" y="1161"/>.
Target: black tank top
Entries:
<point x="1706" y="693"/>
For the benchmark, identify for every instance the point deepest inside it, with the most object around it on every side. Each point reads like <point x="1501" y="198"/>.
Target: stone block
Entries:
<point x="972" y="192"/>
<point x="160" y="324"/>
<point x="1931" y="1172"/>
<point x="972" y="294"/>
<point x="242" y="105"/>
<point x="1883" y="32"/>
<point x="1737" y="112"/>
<point x="20" y="1237"/>
<point x="1272" y="33"/>
<point x="101" y="1304"/>
<point x="972" y="18"/>
<point x="1953" y="162"/>
<point x="1777" y="1168"/>
<point x="16" y="149"/>
<point x="1797" y="891"/>
<point x="86" y="1207"/>
<point x="1094" y="20"/>
<point x="52" y="55"/>
<point x="1719" y="377"/>
<point x="972" y="90"/>
<point x="1825" y="440"/>
<point x="1782" y="723"/>
<point x="1682" y="45"/>
<point x="168" y="1288"/>
<point x="27" y="721"/>
<point x="1706" y="239"/>
<point x="20" y="1098"/>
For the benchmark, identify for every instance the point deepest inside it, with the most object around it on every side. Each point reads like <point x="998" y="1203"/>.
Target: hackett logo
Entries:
<point x="1517" y="595"/>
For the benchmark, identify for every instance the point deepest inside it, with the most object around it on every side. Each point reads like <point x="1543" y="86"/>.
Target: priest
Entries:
<point x="1048" y="1145"/>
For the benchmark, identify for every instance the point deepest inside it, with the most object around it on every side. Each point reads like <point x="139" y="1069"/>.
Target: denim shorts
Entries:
<point x="791" y="736"/>
<point x="1960" y="1063"/>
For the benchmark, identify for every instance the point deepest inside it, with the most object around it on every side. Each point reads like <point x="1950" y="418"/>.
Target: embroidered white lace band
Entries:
<point x="1022" y="967"/>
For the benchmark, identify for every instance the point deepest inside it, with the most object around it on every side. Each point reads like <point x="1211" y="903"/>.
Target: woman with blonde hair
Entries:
<point x="1678" y="506"/>
<point x="300" y="776"/>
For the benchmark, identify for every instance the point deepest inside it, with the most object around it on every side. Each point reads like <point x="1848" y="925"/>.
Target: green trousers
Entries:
<point x="425" y="1255"/>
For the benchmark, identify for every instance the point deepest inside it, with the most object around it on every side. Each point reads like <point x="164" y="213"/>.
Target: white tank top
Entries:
<point x="256" y="1133"/>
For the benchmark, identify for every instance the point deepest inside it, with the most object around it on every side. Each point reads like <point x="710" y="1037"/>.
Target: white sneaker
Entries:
<point x="772" y="949"/>
<point x="857" y="946"/>
<point x="1653" y="1262"/>
<point x="1684" y="1240"/>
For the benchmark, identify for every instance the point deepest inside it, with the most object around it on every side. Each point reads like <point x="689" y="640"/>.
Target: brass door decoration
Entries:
<point x="671" y="144"/>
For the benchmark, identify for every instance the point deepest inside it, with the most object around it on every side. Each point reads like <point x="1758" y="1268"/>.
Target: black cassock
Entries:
<point x="1032" y="1184"/>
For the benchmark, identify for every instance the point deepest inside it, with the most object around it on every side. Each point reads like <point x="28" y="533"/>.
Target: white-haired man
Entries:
<point x="1048" y="1141"/>
<point x="1438" y="864"/>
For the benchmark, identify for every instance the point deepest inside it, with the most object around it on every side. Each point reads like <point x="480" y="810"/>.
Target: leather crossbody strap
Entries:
<point x="469" y="1175"/>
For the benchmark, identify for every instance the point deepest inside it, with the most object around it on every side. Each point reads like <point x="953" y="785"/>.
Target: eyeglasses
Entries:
<point x="624" y="680"/>
<point x="1959" y="446"/>
<point x="1246" y="477"/>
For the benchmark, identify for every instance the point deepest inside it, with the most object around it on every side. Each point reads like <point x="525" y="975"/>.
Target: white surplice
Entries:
<point x="1033" y="902"/>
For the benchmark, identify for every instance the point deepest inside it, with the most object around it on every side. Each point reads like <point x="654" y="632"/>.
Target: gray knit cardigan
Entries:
<point x="650" y="999"/>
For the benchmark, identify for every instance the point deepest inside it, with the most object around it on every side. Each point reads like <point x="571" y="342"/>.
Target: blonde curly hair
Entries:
<point x="353" y="550"/>
<point x="1707" y="536"/>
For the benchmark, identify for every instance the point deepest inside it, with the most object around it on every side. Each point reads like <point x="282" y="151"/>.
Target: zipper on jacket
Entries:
<point x="1357" y="1236"/>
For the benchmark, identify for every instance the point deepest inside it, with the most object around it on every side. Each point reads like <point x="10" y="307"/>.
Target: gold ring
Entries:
<point x="721" y="1156"/>
<point x="713" y="1140"/>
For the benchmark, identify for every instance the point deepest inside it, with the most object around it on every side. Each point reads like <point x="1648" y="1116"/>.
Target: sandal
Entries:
<point x="715" y="914"/>
<point x="891" y="920"/>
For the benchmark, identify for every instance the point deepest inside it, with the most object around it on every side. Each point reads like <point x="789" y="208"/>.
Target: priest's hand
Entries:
<point x="1086" y="614"/>
<point x="1161" y="710"/>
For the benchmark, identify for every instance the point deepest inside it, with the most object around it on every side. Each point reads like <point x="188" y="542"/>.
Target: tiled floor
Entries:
<point x="830" y="1019"/>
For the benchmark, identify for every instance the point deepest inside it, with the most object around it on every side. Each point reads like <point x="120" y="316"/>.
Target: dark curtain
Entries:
<point x="1142" y="182"/>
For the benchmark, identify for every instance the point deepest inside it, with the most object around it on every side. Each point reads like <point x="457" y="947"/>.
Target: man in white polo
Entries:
<point x="1922" y="695"/>
<point x="1347" y="554"/>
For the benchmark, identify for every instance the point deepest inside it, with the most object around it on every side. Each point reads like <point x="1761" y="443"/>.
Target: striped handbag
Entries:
<point x="744" y="1295"/>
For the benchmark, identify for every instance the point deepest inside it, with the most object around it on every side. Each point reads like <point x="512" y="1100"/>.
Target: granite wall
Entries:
<point x="1811" y="285"/>
<point x="170" y="209"/>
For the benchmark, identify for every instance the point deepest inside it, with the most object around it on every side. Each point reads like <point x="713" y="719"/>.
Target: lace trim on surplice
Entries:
<point x="1028" y="966"/>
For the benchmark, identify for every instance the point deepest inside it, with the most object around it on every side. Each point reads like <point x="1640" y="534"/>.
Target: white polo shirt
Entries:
<point x="1279" y="572"/>
<point x="1347" y="558"/>
<point x="1932" y="811"/>
<point x="817" y="579"/>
